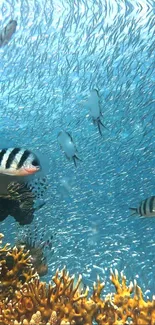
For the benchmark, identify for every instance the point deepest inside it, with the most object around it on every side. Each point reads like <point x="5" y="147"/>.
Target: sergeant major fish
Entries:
<point x="7" y="32"/>
<point x="18" y="162"/>
<point x="146" y="208"/>
<point x="95" y="110"/>
<point x="66" y="142"/>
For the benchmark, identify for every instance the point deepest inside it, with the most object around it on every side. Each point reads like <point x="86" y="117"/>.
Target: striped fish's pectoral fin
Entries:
<point x="135" y="211"/>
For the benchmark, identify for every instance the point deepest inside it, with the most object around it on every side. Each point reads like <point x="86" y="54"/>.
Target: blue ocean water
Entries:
<point x="60" y="52"/>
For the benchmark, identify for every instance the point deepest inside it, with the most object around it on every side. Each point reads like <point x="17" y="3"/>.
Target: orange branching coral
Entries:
<point x="126" y="306"/>
<point x="63" y="302"/>
<point x="15" y="268"/>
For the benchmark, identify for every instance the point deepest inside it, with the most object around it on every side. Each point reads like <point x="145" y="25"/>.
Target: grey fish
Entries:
<point x="66" y="142"/>
<point x="7" y="32"/>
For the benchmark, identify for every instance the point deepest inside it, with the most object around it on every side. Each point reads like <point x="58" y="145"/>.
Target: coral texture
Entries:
<point x="15" y="269"/>
<point x="63" y="302"/>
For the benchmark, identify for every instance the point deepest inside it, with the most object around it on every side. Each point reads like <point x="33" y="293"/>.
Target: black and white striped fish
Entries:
<point x="7" y="32"/>
<point x="18" y="162"/>
<point x="146" y="208"/>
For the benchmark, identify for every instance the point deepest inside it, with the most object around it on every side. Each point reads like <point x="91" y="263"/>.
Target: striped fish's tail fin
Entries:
<point x="75" y="158"/>
<point x="135" y="211"/>
<point x="99" y="124"/>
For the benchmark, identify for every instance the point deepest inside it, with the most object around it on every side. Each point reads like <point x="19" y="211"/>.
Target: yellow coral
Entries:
<point x="63" y="303"/>
<point x="121" y="307"/>
<point x="15" y="268"/>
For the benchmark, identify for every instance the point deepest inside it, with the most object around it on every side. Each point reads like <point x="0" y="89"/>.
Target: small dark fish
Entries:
<point x="7" y="32"/>
<point x="146" y="208"/>
<point x="66" y="142"/>
<point x="18" y="162"/>
<point x="36" y="245"/>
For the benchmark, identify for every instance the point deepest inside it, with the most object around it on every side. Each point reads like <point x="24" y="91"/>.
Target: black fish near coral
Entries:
<point x="146" y="208"/>
<point x="7" y="32"/>
<point x="18" y="162"/>
<point x="36" y="246"/>
<point x="18" y="203"/>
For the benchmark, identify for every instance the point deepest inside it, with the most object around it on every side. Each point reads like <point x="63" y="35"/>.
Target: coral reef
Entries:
<point x="63" y="302"/>
<point x="15" y="269"/>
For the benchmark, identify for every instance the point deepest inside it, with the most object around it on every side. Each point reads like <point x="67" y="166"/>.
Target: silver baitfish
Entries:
<point x="18" y="162"/>
<point x="7" y="32"/>
<point x="66" y="142"/>
<point x="146" y="208"/>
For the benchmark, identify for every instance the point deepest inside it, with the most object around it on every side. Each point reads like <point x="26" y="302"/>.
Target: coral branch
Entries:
<point x="25" y="300"/>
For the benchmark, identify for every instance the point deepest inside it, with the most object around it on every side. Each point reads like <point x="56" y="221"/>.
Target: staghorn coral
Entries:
<point x="125" y="306"/>
<point x="63" y="302"/>
<point x="15" y="269"/>
<point x="63" y="298"/>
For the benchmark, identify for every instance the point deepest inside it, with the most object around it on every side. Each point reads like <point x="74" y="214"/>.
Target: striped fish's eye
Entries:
<point x="35" y="162"/>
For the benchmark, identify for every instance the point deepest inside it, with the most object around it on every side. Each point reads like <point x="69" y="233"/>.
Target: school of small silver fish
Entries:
<point x="22" y="162"/>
